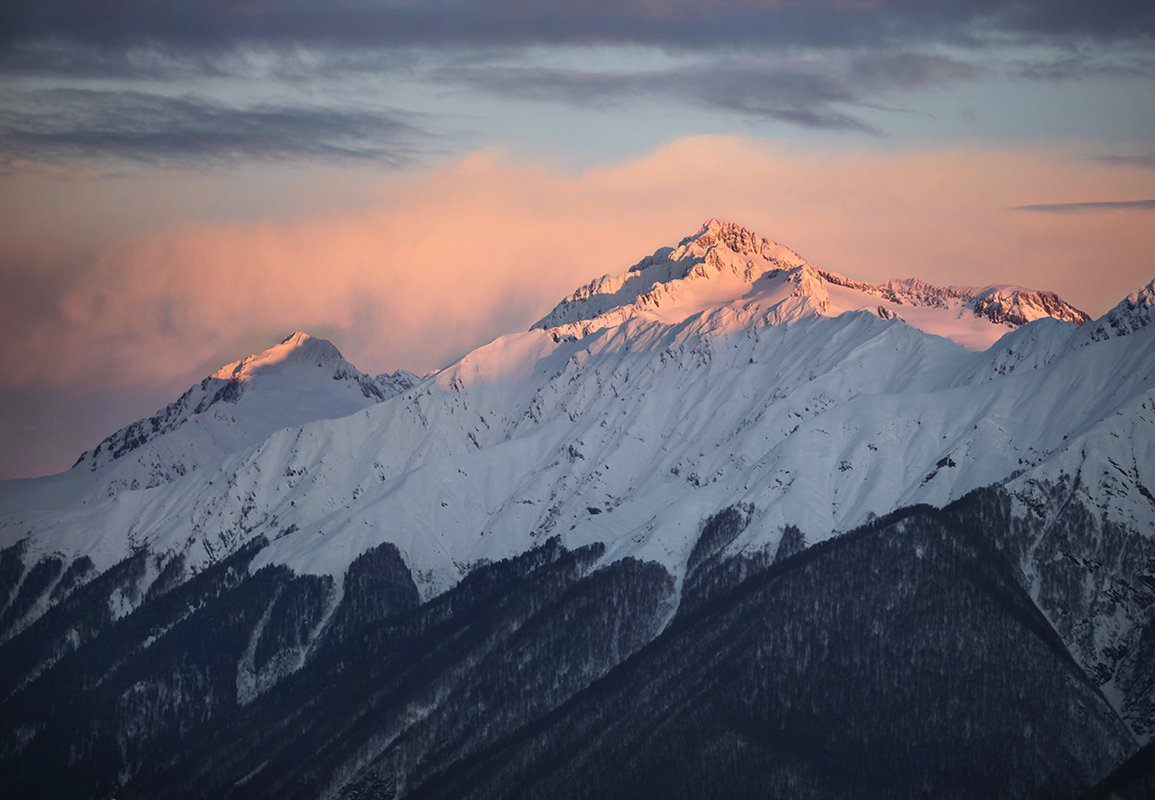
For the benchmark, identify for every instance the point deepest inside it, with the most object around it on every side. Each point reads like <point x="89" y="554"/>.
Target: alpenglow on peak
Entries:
<point x="725" y="265"/>
<point x="297" y="347"/>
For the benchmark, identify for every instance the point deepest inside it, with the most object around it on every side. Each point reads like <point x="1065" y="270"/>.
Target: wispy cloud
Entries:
<point x="1081" y="208"/>
<point x="1127" y="160"/>
<point x="1088" y="60"/>
<point x="64" y="124"/>
<point x="811" y="93"/>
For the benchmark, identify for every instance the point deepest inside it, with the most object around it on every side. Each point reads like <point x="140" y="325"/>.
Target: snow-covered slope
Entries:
<point x="299" y="380"/>
<point x="726" y="370"/>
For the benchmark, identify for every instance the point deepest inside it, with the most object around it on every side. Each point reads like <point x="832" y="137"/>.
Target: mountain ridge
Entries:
<point x="523" y="362"/>
<point x="725" y="263"/>
<point x="709" y="444"/>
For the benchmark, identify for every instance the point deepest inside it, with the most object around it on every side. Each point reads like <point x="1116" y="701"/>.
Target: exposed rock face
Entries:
<point x="1013" y="306"/>
<point x="1130" y="315"/>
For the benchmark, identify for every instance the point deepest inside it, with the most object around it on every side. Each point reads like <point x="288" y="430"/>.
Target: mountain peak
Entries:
<point x="715" y="229"/>
<point x="300" y="379"/>
<point x="718" y="263"/>
<point x="1145" y="296"/>
<point x="1132" y="313"/>
<point x="296" y="338"/>
<point x="1016" y="305"/>
<point x="739" y="240"/>
<point x="298" y="348"/>
<point x="726" y="265"/>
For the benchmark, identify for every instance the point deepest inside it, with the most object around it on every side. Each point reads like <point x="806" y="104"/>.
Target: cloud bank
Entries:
<point x="157" y="82"/>
<point x="77" y="124"/>
<point x="184" y="24"/>
<point x="434" y="262"/>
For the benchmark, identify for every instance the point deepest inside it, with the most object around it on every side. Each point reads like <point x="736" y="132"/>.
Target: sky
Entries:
<point x="185" y="183"/>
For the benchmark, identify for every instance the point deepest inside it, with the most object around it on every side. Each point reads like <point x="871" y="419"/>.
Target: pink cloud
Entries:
<point x="432" y="263"/>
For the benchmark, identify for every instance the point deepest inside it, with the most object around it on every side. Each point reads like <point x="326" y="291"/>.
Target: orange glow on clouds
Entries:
<point x="435" y="262"/>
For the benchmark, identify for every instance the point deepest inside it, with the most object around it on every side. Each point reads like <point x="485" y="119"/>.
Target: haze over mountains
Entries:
<point x="927" y="503"/>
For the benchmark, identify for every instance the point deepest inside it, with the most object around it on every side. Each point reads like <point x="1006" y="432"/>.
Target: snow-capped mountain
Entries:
<point x="298" y="380"/>
<point x="714" y="373"/>
<point x="725" y="265"/>
<point x="721" y="406"/>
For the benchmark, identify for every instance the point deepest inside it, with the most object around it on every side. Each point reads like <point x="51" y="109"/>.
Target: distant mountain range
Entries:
<point x="724" y="524"/>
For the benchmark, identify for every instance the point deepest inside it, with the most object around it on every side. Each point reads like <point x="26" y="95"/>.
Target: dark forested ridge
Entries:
<point x="905" y="658"/>
<point x="1134" y="780"/>
<point x="901" y="660"/>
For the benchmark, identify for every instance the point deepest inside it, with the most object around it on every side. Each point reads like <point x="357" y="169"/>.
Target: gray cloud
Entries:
<point x="1138" y="161"/>
<point x="1082" y="62"/>
<point x="1080" y="208"/>
<point x="67" y="124"/>
<point x="188" y="30"/>
<point x="811" y="93"/>
<point x="62" y="58"/>
<point x="804" y="98"/>
<point x="816" y="64"/>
